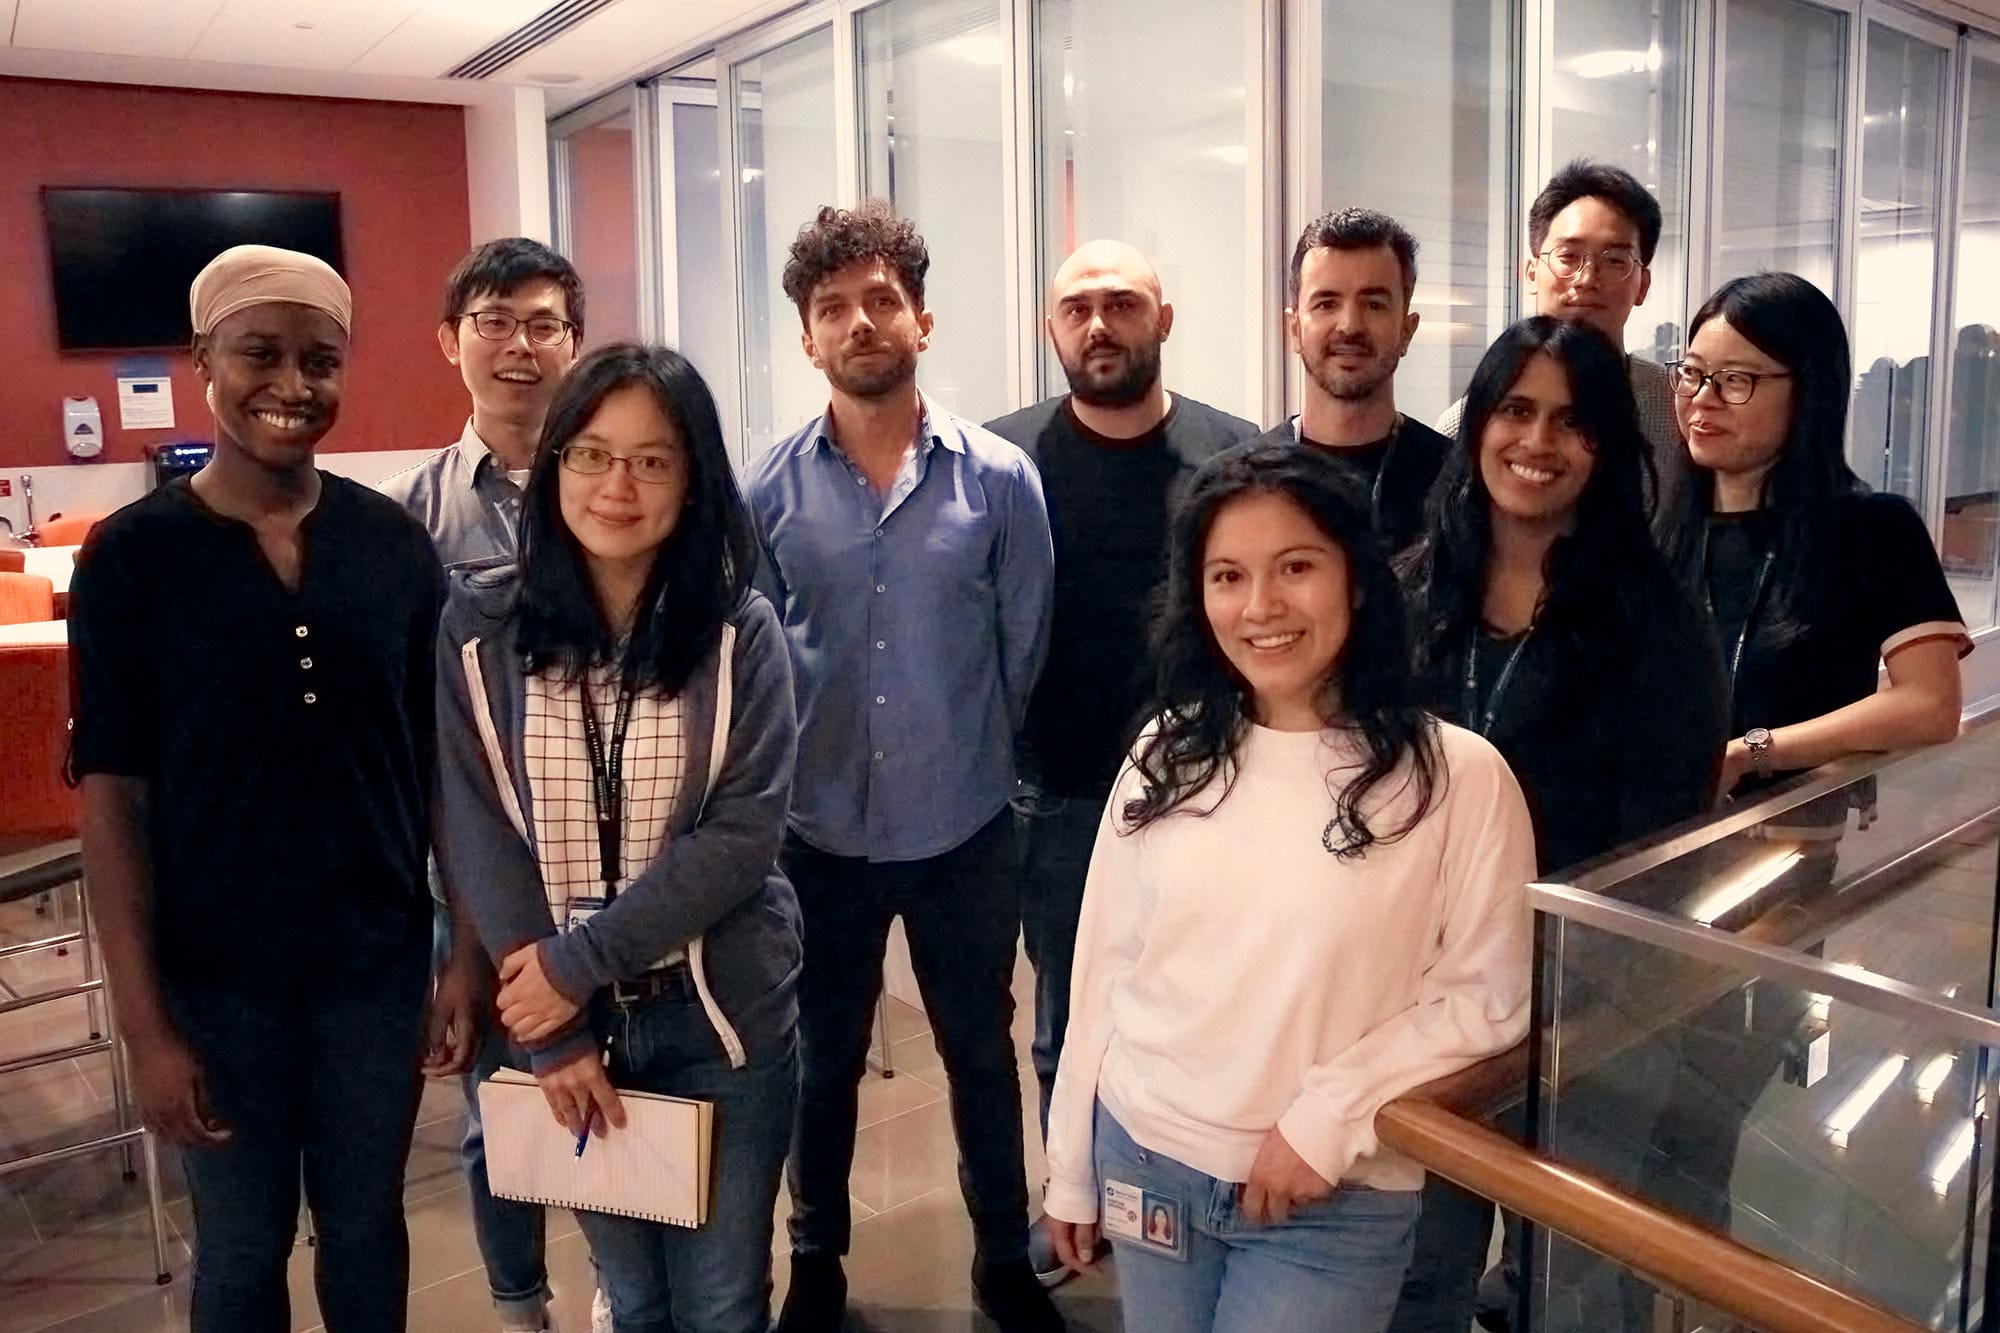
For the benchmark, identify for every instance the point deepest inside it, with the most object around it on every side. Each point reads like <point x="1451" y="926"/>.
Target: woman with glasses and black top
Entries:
<point x="616" y="740"/>
<point x="1815" y="582"/>
<point x="1545" y="619"/>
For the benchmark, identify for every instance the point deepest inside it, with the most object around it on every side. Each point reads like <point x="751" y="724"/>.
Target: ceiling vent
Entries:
<point x="540" y="30"/>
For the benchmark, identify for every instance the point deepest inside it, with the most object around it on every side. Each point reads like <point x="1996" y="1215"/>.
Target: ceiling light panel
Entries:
<point x="265" y="32"/>
<point x="114" y="27"/>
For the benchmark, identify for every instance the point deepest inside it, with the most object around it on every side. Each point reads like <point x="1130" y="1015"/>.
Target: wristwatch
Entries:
<point x="1758" y="741"/>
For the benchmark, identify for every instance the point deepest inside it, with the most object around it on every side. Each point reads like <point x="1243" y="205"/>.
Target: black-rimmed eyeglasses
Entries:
<point x="587" y="460"/>
<point x="1732" y="386"/>
<point x="498" y="326"/>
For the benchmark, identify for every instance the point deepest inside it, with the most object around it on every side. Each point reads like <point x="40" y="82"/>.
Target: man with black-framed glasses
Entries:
<point x="511" y="323"/>
<point x="1592" y="232"/>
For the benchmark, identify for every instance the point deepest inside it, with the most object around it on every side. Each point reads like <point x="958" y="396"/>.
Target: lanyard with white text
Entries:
<point x="607" y="783"/>
<point x="1474" y="718"/>
<point x="1750" y="612"/>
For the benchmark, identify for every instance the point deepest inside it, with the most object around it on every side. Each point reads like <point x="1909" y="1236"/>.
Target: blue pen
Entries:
<point x="584" y="1137"/>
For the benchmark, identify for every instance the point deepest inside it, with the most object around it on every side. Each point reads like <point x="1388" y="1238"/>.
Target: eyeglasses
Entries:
<point x="499" y="326"/>
<point x="589" y="461"/>
<point x="1731" y="386"/>
<point x="1568" y="263"/>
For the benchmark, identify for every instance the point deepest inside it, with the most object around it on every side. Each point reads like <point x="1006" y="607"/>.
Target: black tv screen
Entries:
<point x="122" y="260"/>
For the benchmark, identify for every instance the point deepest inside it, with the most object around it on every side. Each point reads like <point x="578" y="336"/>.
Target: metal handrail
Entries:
<point x="1669" y="1251"/>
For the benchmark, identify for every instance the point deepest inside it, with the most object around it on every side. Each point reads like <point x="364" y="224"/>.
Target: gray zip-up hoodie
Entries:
<point x="714" y="891"/>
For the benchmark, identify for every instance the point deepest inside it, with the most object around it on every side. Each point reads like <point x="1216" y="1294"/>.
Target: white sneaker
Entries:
<point x="600" y="1312"/>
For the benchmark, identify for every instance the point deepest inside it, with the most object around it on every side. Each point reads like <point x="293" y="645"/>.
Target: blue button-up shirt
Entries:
<point x="917" y="621"/>
<point x="463" y="498"/>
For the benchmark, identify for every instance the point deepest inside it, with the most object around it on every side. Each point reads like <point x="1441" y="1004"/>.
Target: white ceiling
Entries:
<point x="364" y="48"/>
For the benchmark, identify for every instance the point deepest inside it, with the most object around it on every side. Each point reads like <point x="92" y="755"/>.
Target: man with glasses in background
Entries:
<point x="1591" y="236"/>
<point x="512" y="319"/>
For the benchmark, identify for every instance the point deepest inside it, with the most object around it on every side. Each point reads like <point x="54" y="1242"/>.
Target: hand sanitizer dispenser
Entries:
<point x="83" y="428"/>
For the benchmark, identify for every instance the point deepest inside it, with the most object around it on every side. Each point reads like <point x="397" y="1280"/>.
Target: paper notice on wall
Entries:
<point x="145" y="402"/>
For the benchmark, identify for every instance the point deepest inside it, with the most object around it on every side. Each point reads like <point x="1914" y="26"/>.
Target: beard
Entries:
<point x="1120" y="385"/>
<point x="1364" y="381"/>
<point x="875" y="380"/>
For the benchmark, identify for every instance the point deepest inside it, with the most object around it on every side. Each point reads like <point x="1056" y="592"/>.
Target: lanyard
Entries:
<point x="1750" y="612"/>
<point x="607" y="783"/>
<point x="1483" y="722"/>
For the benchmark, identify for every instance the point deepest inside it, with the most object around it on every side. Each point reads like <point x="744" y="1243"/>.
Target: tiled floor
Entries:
<point x="76" y="1249"/>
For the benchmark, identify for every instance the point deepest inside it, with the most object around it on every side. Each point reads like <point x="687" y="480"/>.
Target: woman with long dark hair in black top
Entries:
<point x="1545" y="619"/>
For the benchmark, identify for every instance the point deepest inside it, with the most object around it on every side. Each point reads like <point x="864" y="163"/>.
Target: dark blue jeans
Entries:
<point x="961" y="914"/>
<point x="316" y="1074"/>
<point x="1056" y="836"/>
<point x="715" y="1278"/>
<point x="511" y="1235"/>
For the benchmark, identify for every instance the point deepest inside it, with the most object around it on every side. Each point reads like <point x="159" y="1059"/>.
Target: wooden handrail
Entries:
<point x="1670" y="1251"/>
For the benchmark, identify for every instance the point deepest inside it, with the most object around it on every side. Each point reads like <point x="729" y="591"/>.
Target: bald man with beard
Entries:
<point x="1114" y="453"/>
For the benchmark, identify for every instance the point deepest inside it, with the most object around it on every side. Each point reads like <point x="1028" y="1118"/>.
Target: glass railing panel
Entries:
<point x="1837" y="1137"/>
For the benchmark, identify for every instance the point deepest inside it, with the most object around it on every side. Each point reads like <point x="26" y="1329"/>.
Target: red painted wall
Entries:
<point x="400" y="172"/>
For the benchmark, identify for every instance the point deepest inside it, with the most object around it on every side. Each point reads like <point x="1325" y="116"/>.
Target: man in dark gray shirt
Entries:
<point x="511" y="322"/>
<point x="1114" y="453"/>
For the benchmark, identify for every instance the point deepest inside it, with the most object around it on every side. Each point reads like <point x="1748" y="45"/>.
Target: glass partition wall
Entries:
<point x="1851" y="141"/>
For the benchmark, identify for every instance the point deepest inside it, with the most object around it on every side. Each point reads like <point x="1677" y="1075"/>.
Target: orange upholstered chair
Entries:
<point x="67" y="529"/>
<point x="26" y="597"/>
<point x="12" y="561"/>
<point x="34" y="738"/>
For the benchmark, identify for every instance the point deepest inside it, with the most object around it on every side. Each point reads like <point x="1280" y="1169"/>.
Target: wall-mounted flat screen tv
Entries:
<point x="122" y="260"/>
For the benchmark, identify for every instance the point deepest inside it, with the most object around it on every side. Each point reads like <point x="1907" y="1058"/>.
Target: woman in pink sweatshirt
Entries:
<point x="1306" y="899"/>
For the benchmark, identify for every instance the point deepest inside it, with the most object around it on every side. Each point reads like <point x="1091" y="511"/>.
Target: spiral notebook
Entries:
<point x="654" y="1169"/>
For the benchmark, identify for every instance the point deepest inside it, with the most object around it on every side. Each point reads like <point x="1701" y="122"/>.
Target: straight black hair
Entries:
<point x="1584" y="179"/>
<point x="506" y="265"/>
<point x="699" y="574"/>
<point x="1201" y="705"/>
<point x="1590" y="594"/>
<point x="1792" y="322"/>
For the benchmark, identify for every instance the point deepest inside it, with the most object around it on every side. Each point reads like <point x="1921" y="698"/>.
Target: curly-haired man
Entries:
<point x="909" y="557"/>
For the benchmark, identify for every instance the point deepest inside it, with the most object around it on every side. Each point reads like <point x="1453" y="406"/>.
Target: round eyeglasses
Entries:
<point x="587" y="460"/>
<point x="1568" y="263"/>
<point x="1734" y="387"/>
<point x="498" y="326"/>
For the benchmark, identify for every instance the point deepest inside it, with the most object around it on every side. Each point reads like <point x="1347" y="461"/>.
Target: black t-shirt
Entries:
<point x="1886" y="590"/>
<point x="1397" y="470"/>
<point x="1108" y="503"/>
<point x="288" y="738"/>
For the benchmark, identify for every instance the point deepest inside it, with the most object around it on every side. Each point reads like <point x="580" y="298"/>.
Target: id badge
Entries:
<point x="581" y="910"/>
<point x="1155" y="1222"/>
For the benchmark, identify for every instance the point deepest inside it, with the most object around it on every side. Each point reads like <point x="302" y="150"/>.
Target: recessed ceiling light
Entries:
<point x="556" y="78"/>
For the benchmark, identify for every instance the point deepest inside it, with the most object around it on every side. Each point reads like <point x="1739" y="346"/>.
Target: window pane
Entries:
<point x="701" y="285"/>
<point x="1783" y="73"/>
<point x="604" y="229"/>
<point x="930" y="108"/>
<point x="1972" y="461"/>
<point x="783" y="104"/>
<point x="1618" y="94"/>
<point x="1895" y="262"/>
<point x="1430" y="77"/>
<point x="1152" y="149"/>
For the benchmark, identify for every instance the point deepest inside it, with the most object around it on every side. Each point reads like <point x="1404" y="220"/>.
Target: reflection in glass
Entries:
<point x="1781" y="139"/>
<point x="930" y="116"/>
<point x="1618" y="92"/>
<point x="701" y="283"/>
<point x="1430" y="77"/>
<point x="1142" y="137"/>
<point x="783" y="105"/>
<point x="604" y="227"/>
<point x="1901" y="133"/>
<point x="1972" y="459"/>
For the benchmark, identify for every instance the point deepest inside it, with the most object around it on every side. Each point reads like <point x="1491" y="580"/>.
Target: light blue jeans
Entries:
<point x="1331" y="1267"/>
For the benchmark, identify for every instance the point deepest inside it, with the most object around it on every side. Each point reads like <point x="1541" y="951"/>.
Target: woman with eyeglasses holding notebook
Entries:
<point x="616" y="742"/>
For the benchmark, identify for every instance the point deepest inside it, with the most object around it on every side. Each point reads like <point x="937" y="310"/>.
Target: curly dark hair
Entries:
<point x="1201" y="706"/>
<point x="1355" y="229"/>
<point x="1592" y="597"/>
<point x="838" y="237"/>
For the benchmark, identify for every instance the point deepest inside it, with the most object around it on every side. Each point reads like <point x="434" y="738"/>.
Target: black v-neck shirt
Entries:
<point x="287" y="737"/>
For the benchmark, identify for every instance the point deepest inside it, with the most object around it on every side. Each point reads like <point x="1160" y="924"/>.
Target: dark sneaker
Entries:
<point x="816" y="1300"/>
<point x="1013" y="1298"/>
<point x="1499" y="1291"/>
<point x="1050" y="1271"/>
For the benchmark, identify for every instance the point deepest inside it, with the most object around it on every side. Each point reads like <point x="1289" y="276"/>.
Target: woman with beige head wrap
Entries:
<point x="254" y="653"/>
